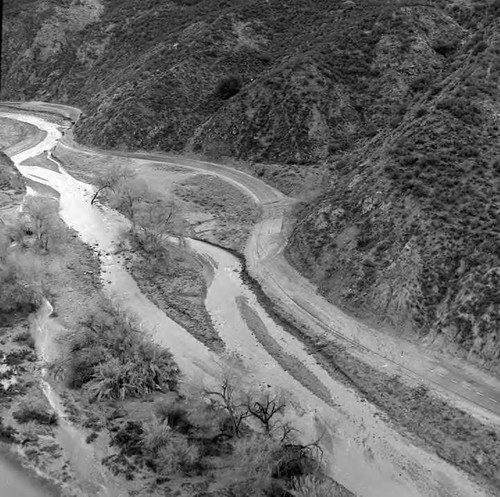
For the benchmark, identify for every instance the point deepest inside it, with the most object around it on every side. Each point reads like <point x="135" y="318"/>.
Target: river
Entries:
<point x="17" y="483"/>
<point x="361" y="451"/>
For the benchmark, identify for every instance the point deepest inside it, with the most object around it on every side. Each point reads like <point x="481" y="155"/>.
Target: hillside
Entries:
<point x="409" y="233"/>
<point x="394" y="104"/>
<point x="11" y="188"/>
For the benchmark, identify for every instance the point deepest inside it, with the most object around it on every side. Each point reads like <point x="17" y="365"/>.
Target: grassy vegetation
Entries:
<point x="175" y="283"/>
<point x="24" y="239"/>
<point x="171" y="277"/>
<point x="36" y="411"/>
<point x="278" y="61"/>
<point x="18" y="290"/>
<point x="113" y="359"/>
<point x="401" y="94"/>
<point x="408" y="236"/>
<point x="400" y="101"/>
<point x="19" y="270"/>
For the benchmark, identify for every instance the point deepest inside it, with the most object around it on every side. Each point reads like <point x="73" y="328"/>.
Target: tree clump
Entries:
<point x="238" y="434"/>
<point x="227" y="87"/>
<point x="20" y="275"/>
<point x="154" y="219"/>
<point x="112" y="359"/>
<point x="40" y="218"/>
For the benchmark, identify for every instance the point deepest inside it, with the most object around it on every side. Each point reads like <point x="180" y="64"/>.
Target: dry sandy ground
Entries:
<point x="13" y="132"/>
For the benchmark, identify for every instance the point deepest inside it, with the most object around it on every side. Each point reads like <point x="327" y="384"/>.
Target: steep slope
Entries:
<point x="315" y="78"/>
<point x="410" y="231"/>
<point x="10" y="178"/>
<point x="396" y="103"/>
<point x="12" y="188"/>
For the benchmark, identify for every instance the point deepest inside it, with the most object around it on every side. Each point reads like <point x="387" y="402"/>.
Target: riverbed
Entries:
<point x="361" y="451"/>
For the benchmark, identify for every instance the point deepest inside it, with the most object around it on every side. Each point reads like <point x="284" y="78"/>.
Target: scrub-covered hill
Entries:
<point x="409" y="232"/>
<point x="288" y="81"/>
<point x="396" y="103"/>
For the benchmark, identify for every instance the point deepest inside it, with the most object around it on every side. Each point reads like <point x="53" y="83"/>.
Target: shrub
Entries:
<point x="294" y="460"/>
<point x="25" y="338"/>
<point x="312" y="486"/>
<point x="7" y="433"/>
<point x="18" y="284"/>
<point x="115" y="360"/>
<point x="129" y="439"/>
<point x="35" y="411"/>
<point x="254" y="457"/>
<point x="175" y="415"/>
<point x="167" y="451"/>
<point x="177" y="455"/>
<point x="80" y="369"/>
<point x="270" y="466"/>
<point x="421" y="111"/>
<point x="445" y="47"/>
<point x="18" y="356"/>
<point x="420" y="84"/>
<point x="228" y="87"/>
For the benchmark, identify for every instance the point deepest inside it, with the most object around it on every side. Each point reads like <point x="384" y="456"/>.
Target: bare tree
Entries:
<point x="42" y="216"/>
<point x="266" y="407"/>
<point x="20" y="282"/>
<point x="128" y="196"/>
<point x="111" y="179"/>
<point x="232" y="400"/>
<point x="156" y="220"/>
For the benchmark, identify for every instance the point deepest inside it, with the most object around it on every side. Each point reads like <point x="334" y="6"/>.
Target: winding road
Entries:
<point x="369" y="456"/>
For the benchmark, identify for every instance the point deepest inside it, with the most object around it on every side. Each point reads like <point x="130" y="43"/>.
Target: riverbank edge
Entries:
<point x="14" y="457"/>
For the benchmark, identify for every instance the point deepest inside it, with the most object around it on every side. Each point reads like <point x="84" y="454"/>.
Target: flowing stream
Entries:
<point x="354" y="440"/>
<point x="93" y="478"/>
<point x="16" y="483"/>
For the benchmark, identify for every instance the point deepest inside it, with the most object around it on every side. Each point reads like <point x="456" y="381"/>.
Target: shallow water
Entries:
<point x="362" y="451"/>
<point x="16" y="482"/>
<point x="93" y="479"/>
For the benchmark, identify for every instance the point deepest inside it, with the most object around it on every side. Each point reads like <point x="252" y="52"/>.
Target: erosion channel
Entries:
<point x="361" y="449"/>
